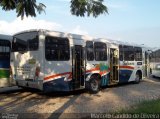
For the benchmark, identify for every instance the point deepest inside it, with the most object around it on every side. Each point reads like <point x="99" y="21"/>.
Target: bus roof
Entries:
<point x="57" y="33"/>
<point x="79" y="37"/>
<point x="5" y="37"/>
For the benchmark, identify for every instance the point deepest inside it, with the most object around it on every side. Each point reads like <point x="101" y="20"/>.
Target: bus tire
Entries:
<point x="153" y="76"/>
<point x="138" y="77"/>
<point x="94" y="84"/>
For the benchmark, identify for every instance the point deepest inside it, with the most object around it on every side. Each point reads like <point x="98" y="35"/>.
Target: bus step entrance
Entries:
<point x="78" y="69"/>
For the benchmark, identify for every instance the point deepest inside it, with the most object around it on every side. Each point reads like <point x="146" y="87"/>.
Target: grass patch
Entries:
<point x="4" y="73"/>
<point x="152" y="106"/>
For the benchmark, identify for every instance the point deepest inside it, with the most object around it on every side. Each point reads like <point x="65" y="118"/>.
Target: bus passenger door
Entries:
<point x="78" y="67"/>
<point x="146" y="65"/>
<point x="114" y="66"/>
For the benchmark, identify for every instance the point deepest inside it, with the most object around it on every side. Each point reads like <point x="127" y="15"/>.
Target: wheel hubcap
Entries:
<point x="94" y="85"/>
<point x="137" y="78"/>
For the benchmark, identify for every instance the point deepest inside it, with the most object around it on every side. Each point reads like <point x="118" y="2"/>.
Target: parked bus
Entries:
<point x="155" y="63"/>
<point x="56" y="61"/>
<point x="135" y="54"/>
<point x="5" y="48"/>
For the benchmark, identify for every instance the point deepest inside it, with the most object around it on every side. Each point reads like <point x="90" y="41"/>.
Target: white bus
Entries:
<point x="5" y="48"/>
<point x="56" y="61"/>
<point x="155" y="63"/>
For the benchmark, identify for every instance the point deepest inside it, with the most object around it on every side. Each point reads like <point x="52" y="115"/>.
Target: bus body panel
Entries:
<point x="128" y="70"/>
<point x="131" y="63"/>
<point x="59" y="74"/>
<point x="28" y="65"/>
<point x="101" y="68"/>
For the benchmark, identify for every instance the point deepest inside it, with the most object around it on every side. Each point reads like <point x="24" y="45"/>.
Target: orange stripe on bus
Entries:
<point x="70" y="74"/>
<point x="53" y="76"/>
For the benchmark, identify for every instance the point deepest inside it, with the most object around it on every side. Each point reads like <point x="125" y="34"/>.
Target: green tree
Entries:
<point x="89" y="7"/>
<point x="22" y="7"/>
<point x="78" y="7"/>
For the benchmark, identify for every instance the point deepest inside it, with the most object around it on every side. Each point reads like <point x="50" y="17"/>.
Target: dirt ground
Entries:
<point x="17" y="102"/>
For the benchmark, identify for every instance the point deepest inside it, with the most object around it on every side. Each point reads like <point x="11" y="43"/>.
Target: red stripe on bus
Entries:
<point x="70" y="74"/>
<point x="103" y="72"/>
<point x="95" y="69"/>
<point x="98" y="69"/>
<point x="53" y="76"/>
<point x="126" y="67"/>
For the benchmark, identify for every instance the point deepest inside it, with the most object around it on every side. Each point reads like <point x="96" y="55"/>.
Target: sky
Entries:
<point x="133" y="21"/>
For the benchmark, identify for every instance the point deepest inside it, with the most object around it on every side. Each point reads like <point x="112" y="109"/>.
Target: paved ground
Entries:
<point x="16" y="100"/>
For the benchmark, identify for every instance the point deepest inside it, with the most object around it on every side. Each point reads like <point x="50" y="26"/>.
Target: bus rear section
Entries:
<point x="48" y="61"/>
<point x="27" y="60"/>
<point x="5" y="47"/>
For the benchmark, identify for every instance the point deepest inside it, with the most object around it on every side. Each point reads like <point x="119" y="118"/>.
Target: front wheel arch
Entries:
<point x="138" y="76"/>
<point x="93" y="85"/>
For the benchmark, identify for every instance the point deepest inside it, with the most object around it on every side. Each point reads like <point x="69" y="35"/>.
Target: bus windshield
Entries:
<point x="25" y="42"/>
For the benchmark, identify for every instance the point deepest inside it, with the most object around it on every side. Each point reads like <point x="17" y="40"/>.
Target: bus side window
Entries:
<point x="121" y="54"/>
<point x="138" y="53"/>
<point x="57" y="49"/>
<point x="152" y="57"/>
<point x="128" y="53"/>
<point x="100" y="50"/>
<point x="90" y="50"/>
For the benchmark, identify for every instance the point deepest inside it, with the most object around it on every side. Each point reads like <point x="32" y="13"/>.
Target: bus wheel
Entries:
<point x="94" y="85"/>
<point x="138" y="77"/>
<point x="153" y="76"/>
